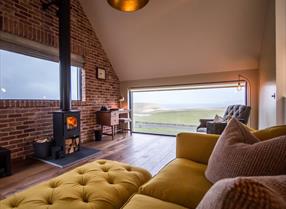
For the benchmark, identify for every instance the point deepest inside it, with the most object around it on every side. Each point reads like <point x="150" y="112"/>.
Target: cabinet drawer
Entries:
<point x="114" y="114"/>
<point x="114" y="121"/>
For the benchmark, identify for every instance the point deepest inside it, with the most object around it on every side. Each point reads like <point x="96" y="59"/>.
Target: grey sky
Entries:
<point x="24" y="77"/>
<point x="213" y="97"/>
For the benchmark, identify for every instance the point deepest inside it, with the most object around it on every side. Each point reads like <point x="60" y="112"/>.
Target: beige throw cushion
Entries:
<point x="239" y="153"/>
<point x="247" y="193"/>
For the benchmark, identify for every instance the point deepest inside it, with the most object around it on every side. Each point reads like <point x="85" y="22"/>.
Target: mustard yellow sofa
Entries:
<point x="105" y="184"/>
<point x="182" y="183"/>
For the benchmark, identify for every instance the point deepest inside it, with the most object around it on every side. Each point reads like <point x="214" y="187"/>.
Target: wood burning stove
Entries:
<point x="66" y="126"/>
<point x="66" y="122"/>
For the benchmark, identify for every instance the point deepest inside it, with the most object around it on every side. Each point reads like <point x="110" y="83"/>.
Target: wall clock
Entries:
<point x="100" y="73"/>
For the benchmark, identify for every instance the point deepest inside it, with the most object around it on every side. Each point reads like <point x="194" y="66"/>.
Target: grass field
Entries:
<point x="183" y="117"/>
<point x="164" y="131"/>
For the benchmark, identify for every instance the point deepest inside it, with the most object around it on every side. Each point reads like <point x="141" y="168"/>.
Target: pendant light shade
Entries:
<point x="127" y="5"/>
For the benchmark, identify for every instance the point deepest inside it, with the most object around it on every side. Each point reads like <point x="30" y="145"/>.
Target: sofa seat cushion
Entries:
<point x="140" y="201"/>
<point x="182" y="182"/>
<point x="101" y="184"/>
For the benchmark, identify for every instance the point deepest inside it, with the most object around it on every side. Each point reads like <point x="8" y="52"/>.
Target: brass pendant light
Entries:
<point x="127" y="5"/>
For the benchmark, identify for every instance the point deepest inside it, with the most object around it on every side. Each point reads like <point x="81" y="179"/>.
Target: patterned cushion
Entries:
<point x="239" y="153"/>
<point x="247" y="193"/>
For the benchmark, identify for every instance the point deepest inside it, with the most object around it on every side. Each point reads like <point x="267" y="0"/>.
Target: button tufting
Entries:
<point x="85" y="198"/>
<point x="101" y="162"/>
<point x="49" y="201"/>
<point x="13" y="205"/>
<point x="81" y="172"/>
<point x="82" y="183"/>
<point x="53" y="184"/>
<point x="104" y="169"/>
<point x="110" y="181"/>
<point x="15" y="202"/>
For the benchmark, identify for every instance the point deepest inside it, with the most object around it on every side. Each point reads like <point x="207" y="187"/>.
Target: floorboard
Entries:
<point x="151" y="152"/>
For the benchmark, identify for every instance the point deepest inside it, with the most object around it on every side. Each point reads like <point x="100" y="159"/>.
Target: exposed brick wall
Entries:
<point x="22" y="121"/>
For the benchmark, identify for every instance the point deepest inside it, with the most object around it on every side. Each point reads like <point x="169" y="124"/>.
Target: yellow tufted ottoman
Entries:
<point x="101" y="184"/>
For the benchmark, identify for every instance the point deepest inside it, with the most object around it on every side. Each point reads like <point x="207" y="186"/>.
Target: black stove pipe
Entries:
<point x="65" y="54"/>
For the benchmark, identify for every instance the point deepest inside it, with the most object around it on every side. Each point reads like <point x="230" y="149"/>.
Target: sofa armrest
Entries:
<point x="195" y="146"/>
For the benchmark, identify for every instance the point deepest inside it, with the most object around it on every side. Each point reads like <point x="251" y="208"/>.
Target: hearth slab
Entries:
<point x="83" y="154"/>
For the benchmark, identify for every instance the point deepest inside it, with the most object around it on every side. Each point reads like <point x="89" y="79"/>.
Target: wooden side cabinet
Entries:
<point x="111" y="119"/>
<point x="108" y="118"/>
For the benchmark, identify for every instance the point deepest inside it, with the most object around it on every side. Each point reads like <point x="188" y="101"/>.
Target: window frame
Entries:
<point x="79" y="83"/>
<point x="22" y="46"/>
<point x="231" y="83"/>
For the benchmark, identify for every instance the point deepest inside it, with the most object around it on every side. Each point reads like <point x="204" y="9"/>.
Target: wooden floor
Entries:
<point x="147" y="151"/>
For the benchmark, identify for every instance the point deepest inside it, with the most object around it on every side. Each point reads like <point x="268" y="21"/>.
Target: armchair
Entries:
<point x="241" y="112"/>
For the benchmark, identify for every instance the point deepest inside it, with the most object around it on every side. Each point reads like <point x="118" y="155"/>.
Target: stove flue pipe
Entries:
<point x="65" y="54"/>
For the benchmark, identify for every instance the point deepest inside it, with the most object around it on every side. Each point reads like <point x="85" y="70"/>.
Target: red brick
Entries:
<point x="33" y="118"/>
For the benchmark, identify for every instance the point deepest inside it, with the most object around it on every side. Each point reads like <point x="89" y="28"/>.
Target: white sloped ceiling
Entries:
<point x="180" y="37"/>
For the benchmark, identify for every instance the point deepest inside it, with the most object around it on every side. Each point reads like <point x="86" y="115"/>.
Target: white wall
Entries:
<point x="267" y="73"/>
<point x="280" y="59"/>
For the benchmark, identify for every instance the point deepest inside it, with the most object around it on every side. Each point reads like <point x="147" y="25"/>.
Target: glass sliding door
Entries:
<point x="171" y="110"/>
